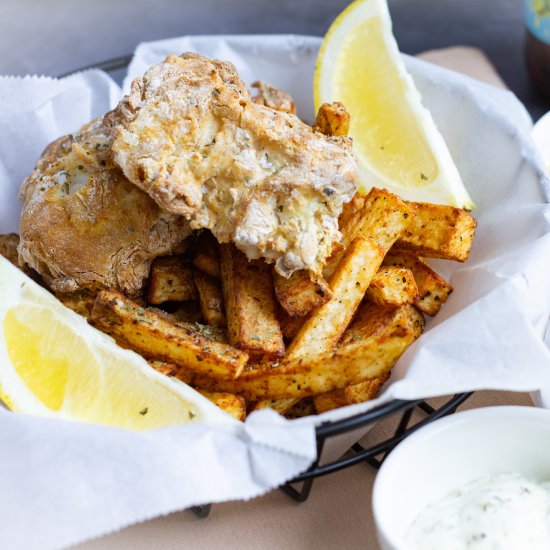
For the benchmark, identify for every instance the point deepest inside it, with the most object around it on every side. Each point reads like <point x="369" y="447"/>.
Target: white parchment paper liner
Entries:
<point x="63" y="482"/>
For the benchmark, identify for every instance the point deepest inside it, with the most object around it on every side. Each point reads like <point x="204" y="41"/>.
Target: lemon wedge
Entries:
<point x="396" y="142"/>
<point x="52" y="363"/>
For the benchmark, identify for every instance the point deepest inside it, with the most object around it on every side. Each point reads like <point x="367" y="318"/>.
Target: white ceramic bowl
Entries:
<point x="451" y="452"/>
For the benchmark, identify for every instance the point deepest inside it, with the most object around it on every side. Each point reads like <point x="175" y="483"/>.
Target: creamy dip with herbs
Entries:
<point x="499" y="512"/>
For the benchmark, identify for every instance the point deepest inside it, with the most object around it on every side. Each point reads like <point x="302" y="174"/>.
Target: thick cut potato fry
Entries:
<point x="230" y="403"/>
<point x="351" y="213"/>
<point x="439" y="231"/>
<point x="433" y="290"/>
<point x="371" y="321"/>
<point x="206" y="256"/>
<point x="356" y="393"/>
<point x="81" y="302"/>
<point x="154" y="337"/>
<point x="303" y="408"/>
<point x="250" y="305"/>
<point x="322" y="330"/>
<point x="324" y="372"/>
<point x="348" y="223"/>
<point x="8" y="247"/>
<point x="273" y="98"/>
<point x="290" y="326"/>
<point x="171" y="279"/>
<point x="188" y="312"/>
<point x="383" y="217"/>
<point x="279" y="405"/>
<point x="392" y="286"/>
<point x="302" y="292"/>
<point x="332" y="119"/>
<point x="168" y="369"/>
<point x="210" y="298"/>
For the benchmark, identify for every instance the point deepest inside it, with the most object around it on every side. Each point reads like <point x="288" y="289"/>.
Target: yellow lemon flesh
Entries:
<point x="396" y="142"/>
<point x="53" y="363"/>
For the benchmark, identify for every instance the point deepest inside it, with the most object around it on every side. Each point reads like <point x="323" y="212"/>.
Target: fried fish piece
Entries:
<point x="8" y="247"/>
<point x="273" y="97"/>
<point x="84" y="225"/>
<point x="191" y="137"/>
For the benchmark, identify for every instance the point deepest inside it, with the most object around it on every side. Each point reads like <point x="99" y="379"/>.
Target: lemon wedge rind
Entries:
<point x="123" y="391"/>
<point x="361" y="40"/>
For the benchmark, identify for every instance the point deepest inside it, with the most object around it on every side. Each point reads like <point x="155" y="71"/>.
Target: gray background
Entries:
<point x="55" y="36"/>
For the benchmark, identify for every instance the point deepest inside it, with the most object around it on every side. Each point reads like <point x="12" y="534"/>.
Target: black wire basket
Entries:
<point x="401" y="412"/>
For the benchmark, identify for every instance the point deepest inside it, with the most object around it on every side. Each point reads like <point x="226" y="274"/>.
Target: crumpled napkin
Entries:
<point x="80" y="481"/>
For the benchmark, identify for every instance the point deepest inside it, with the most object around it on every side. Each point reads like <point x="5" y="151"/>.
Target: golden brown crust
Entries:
<point x="8" y="247"/>
<point x="274" y="98"/>
<point x="210" y="298"/>
<point x="84" y="225"/>
<point x="302" y="292"/>
<point x="392" y="286"/>
<point x="438" y="231"/>
<point x="332" y="119"/>
<point x="250" y="306"/>
<point x="171" y="279"/>
<point x="150" y="333"/>
<point x="433" y="290"/>
<point x="190" y="136"/>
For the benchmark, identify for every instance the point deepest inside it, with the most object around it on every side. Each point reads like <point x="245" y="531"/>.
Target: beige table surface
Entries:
<point x="338" y="512"/>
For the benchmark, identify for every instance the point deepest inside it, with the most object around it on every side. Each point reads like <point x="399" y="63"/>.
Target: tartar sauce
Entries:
<point x="500" y="512"/>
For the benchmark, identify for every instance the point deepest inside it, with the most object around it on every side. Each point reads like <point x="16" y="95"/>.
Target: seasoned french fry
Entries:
<point x="356" y="393"/>
<point x="303" y="408"/>
<point x="332" y="119"/>
<point x="210" y="298"/>
<point x="322" y="330"/>
<point x="8" y="247"/>
<point x="279" y="405"/>
<point x="439" y="231"/>
<point x="81" y="302"/>
<point x="290" y="326"/>
<point x="250" y="305"/>
<point x="351" y="213"/>
<point x="383" y="217"/>
<point x="433" y="290"/>
<point x="273" y="97"/>
<point x="371" y="321"/>
<point x="171" y="279"/>
<point x="232" y="404"/>
<point x="392" y="286"/>
<point x="324" y="372"/>
<point x="348" y="222"/>
<point x="168" y="369"/>
<point x="206" y="256"/>
<point x="153" y="336"/>
<point x="188" y="312"/>
<point x="301" y="293"/>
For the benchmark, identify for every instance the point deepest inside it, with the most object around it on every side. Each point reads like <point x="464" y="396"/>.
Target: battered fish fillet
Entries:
<point x="190" y="136"/>
<point x="84" y="225"/>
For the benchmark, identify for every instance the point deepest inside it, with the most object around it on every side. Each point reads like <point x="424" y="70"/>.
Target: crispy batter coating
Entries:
<point x="190" y="136"/>
<point x="84" y="225"/>
<point x="273" y="97"/>
<point x="8" y="247"/>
